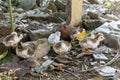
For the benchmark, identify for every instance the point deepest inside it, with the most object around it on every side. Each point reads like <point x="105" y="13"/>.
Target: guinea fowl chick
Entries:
<point x="73" y="34"/>
<point x="77" y="35"/>
<point x="26" y="33"/>
<point x="92" y="43"/>
<point x="93" y="34"/>
<point x="33" y="49"/>
<point x="12" y="40"/>
<point x="25" y="50"/>
<point x="62" y="48"/>
<point x="54" y="37"/>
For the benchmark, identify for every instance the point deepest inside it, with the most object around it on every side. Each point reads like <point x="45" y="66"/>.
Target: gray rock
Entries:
<point x="93" y="1"/>
<point x="92" y="24"/>
<point x="60" y="5"/>
<point x="42" y="49"/>
<point x="93" y="15"/>
<point x="19" y="10"/>
<point x="111" y="41"/>
<point x="112" y="17"/>
<point x="37" y="34"/>
<point x="27" y="4"/>
<point x="106" y="71"/>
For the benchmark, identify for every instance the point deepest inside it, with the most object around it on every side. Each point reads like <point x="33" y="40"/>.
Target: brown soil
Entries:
<point x="5" y="30"/>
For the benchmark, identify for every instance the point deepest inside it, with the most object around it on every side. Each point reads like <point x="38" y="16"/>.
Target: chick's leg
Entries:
<point x="86" y="50"/>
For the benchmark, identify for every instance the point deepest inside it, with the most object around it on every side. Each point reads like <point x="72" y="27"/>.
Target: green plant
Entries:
<point x="10" y="12"/>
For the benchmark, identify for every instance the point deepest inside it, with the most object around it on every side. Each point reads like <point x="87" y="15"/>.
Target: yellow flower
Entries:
<point x="81" y="35"/>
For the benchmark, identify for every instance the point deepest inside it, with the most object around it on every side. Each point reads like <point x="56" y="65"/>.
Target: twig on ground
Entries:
<point x="72" y="74"/>
<point x="108" y="63"/>
<point x="34" y="74"/>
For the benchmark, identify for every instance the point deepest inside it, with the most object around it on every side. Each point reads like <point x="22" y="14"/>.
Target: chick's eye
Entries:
<point x="89" y="35"/>
<point x="102" y="37"/>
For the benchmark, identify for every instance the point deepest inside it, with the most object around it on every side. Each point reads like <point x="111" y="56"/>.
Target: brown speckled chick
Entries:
<point x="73" y="34"/>
<point x="33" y="49"/>
<point x="62" y="48"/>
<point x="12" y="40"/>
<point x="92" y="42"/>
<point x="25" y="50"/>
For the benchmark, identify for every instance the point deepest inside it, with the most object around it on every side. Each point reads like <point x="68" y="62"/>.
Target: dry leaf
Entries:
<point x="59" y="68"/>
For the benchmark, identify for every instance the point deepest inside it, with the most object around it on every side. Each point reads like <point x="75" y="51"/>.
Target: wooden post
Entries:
<point x="74" y="12"/>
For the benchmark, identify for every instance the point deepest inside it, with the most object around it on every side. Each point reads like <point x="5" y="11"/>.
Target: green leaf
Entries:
<point x="74" y="44"/>
<point x="3" y="54"/>
<point x="8" y="57"/>
<point x="4" y="77"/>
